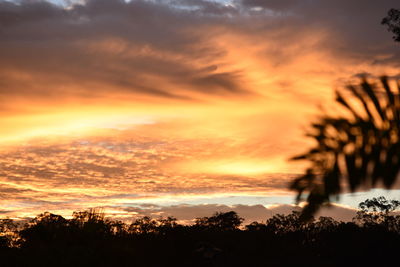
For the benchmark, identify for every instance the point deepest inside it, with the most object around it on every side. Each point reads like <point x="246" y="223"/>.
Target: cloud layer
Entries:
<point x="217" y="88"/>
<point x="113" y="170"/>
<point x="174" y="49"/>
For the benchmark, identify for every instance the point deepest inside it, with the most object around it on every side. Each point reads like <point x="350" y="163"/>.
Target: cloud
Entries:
<point x="351" y="29"/>
<point x="118" y="170"/>
<point x="188" y="213"/>
<point x="238" y="80"/>
<point x="117" y="165"/>
<point x="164" y="49"/>
<point x="150" y="56"/>
<point x="260" y="213"/>
<point x="101" y="47"/>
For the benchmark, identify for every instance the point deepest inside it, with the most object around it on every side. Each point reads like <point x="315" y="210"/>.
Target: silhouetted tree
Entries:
<point x="118" y="228"/>
<point x="45" y="228"/>
<point x="326" y="223"/>
<point x="392" y="20"/>
<point x="376" y="211"/>
<point x="166" y="225"/>
<point x="280" y="224"/>
<point x="223" y="221"/>
<point x="88" y="239"/>
<point x="92" y="222"/>
<point x="8" y="233"/>
<point x="143" y="225"/>
<point x="360" y="148"/>
<point x="379" y="204"/>
<point x="256" y="227"/>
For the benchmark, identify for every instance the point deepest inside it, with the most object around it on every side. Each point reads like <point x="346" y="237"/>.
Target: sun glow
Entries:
<point x="68" y="123"/>
<point x="242" y="168"/>
<point x="233" y="166"/>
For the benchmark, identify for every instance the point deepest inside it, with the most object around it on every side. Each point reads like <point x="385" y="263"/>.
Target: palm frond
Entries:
<point x="358" y="149"/>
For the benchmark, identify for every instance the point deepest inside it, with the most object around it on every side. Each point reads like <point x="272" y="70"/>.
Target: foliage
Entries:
<point x="377" y="212"/>
<point x="392" y="20"/>
<point x="90" y="216"/>
<point x="379" y="205"/>
<point x="8" y="233"/>
<point x="147" y="225"/>
<point x="90" y="239"/>
<point x="225" y="221"/>
<point x="360" y="148"/>
<point x="290" y="223"/>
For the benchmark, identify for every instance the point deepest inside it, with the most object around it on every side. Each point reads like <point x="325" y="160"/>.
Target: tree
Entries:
<point x="8" y="233"/>
<point x="326" y="223"/>
<point x="224" y="221"/>
<point x="144" y="225"/>
<point x="376" y="211"/>
<point x="282" y="224"/>
<point x="45" y="228"/>
<point x="392" y="20"/>
<point x="380" y="204"/>
<point x="92" y="222"/>
<point x="361" y="148"/>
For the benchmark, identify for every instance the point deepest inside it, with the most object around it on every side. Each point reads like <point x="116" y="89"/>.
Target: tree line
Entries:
<point x="90" y="239"/>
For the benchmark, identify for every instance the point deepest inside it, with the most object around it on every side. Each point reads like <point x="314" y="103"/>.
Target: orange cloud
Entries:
<point x="181" y="97"/>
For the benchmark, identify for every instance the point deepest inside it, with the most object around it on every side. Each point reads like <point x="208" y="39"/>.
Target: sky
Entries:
<point x="174" y="107"/>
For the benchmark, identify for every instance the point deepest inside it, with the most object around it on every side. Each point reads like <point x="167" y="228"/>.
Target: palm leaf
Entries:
<point x="354" y="150"/>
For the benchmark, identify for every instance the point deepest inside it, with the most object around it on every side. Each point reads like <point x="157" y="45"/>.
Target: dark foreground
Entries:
<point x="372" y="239"/>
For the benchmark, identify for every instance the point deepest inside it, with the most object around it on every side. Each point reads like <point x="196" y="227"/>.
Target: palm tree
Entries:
<point x="361" y="148"/>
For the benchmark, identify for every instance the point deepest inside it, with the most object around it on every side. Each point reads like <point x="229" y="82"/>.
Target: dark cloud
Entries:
<point x="352" y="28"/>
<point x="105" y="46"/>
<point x="161" y="48"/>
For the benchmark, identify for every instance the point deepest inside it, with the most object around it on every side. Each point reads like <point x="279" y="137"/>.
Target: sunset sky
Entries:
<point x="174" y="107"/>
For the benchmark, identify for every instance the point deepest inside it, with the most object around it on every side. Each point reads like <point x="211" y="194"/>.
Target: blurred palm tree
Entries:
<point x="358" y="149"/>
